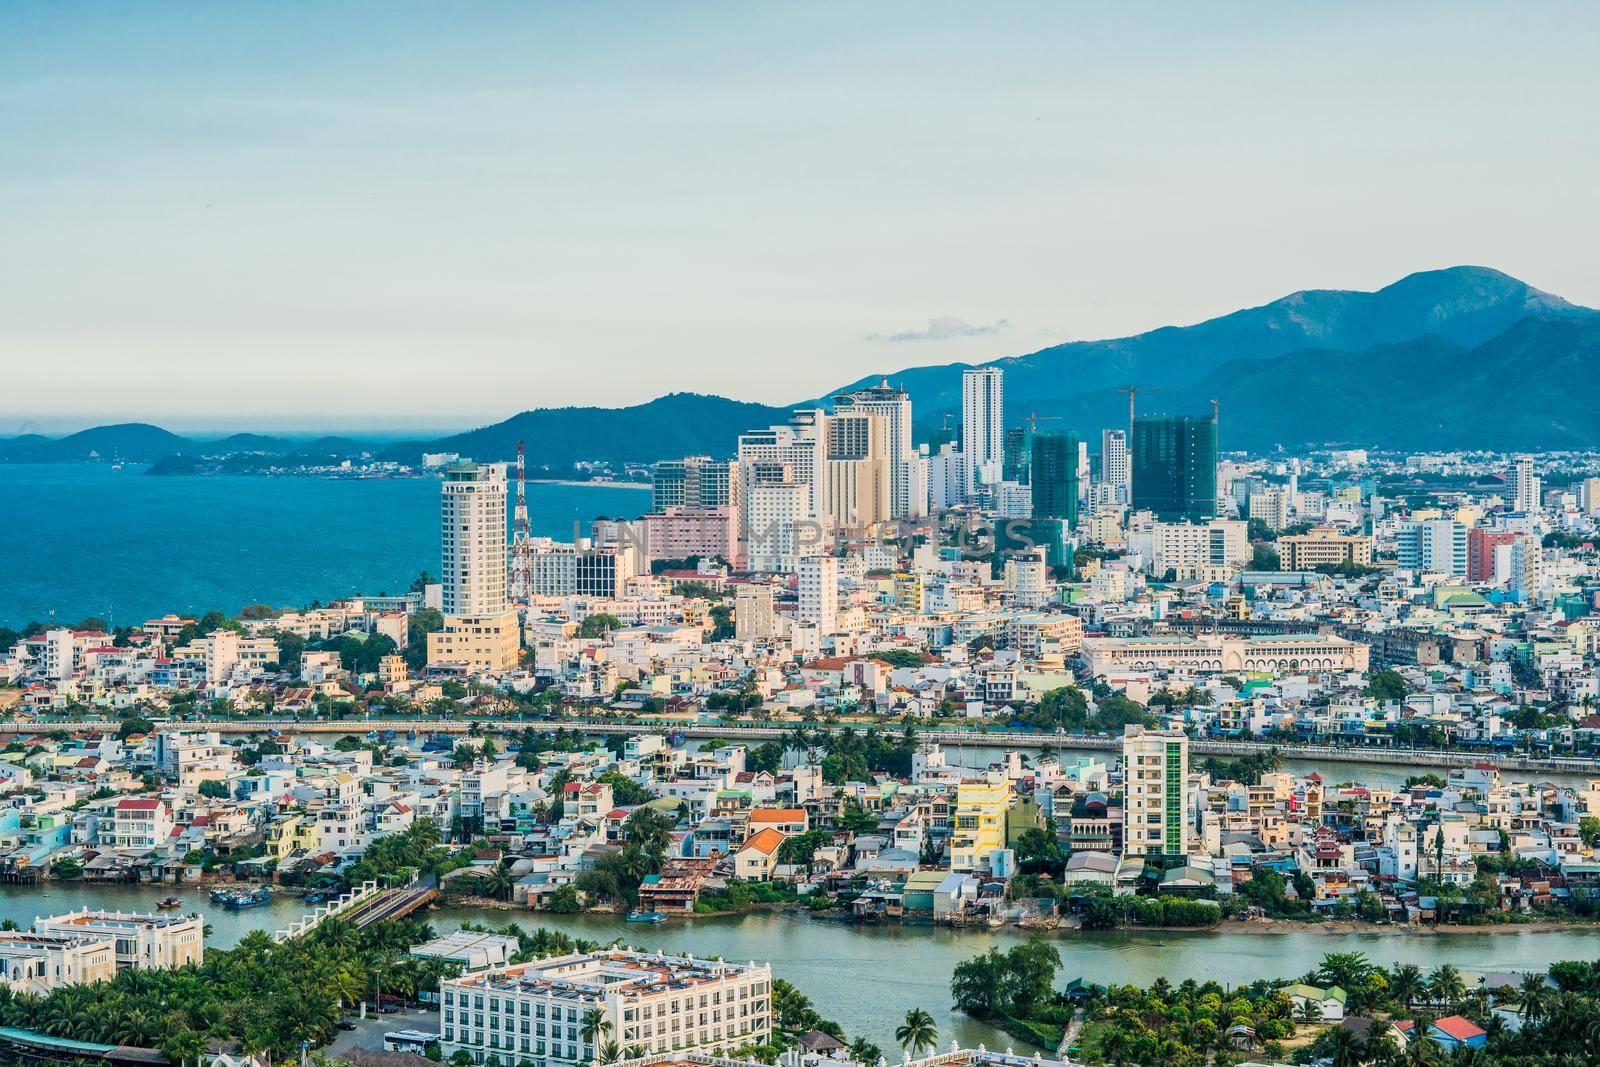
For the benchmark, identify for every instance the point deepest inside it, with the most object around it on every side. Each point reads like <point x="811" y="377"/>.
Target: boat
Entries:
<point x="168" y="903"/>
<point x="247" y="899"/>
<point x="646" y="917"/>
<point x="218" y="896"/>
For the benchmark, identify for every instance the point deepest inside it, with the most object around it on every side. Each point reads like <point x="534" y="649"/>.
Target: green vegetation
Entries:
<point x="268" y="997"/>
<point x="1067" y="709"/>
<point x="1014" y="991"/>
<point x="1386" y="685"/>
<point x="599" y="625"/>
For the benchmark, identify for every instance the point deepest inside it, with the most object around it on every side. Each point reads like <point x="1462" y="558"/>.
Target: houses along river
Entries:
<point x="867" y="978"/>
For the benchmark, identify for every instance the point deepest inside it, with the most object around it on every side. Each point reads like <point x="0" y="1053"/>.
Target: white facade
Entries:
<point x="1155" y="778"/>
<point x="819" y="593"/>
<point x="908" y="480"/>
<point x="473" y="539"/>
<point x="1433" y="546"/>
<point x="1116" y="467"/>
<point x="1523" y="486"/>
<point x="147" y="942"/>
<point x="1181" y="545"/>
<point x="532" y="1013"/>
<point x="982" y="425"/>
<point x="779" y="520"/>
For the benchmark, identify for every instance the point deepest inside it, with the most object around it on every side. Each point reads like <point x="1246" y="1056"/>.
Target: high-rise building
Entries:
<point x="1481" y="546"/>
<point x="797" y="452"/>
<point x="1270" y="507"/>
<point x="982" y="434"/>
<point x="1523" y="486"/>
<point x="908" y="491"/>
<point x="947" y="478"/>
<point x="776" y="526"/>
<point x="473" y="538"/>
<point x="694" y="482"/>
<point x="1526" y="566"/>
<point x="480" y="631"/>
<point x="1432" y="546"/>
<point x="1155" y="779"/>
<point x="1115" y="468"/>
<point x="1017" y="461"/>
<point x="1174" y="467"/>
<point x="1055" y="476"/>
<point x="818" y="590"/>
<point x="1589" y="496"/>
<point x="860" y="482"/>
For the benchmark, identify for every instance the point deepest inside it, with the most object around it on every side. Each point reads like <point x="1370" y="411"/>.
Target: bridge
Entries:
<point x="364" y="905"/>
<point x="997" y="738"/>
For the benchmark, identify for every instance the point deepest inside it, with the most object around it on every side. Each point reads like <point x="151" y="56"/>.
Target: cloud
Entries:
<point x="942" y="328"/>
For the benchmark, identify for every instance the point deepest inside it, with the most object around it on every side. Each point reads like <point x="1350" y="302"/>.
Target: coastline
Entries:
<point x="599" y="483"/>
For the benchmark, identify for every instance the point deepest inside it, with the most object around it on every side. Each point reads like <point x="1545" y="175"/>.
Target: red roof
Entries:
<point x="139" y="804"/>
<point x="1459" y="1028"/>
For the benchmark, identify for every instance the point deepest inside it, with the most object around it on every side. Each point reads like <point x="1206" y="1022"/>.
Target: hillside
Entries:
<point x="678" y="424"/>
<point x="1465" y="305"/>
<point x="1534" y="386"/>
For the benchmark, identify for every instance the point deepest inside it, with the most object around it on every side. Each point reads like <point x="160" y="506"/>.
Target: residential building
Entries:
<point x="1155" y="770"/>
<point x="147" y="942"/>
<point x="1324" y="546"/>
<point x="819" y="593"/>
<point x="982" y="433"/>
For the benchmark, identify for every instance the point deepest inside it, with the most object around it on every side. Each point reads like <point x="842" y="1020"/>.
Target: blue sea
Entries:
<point x="83" y="539"/>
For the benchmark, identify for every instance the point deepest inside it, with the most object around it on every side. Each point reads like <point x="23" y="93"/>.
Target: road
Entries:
<point x="998" y="738"/>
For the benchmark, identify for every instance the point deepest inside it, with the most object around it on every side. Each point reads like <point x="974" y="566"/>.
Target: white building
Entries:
<point x="819" y="593"/>
<point x="982" y="425"/>
<point x="1027" y="579"/>
<point x="779" y="520"/>
<point x="534" y="1012"/>
<point x="1116" y="469"/>
<point x="37" y="963"/>
<point x="753" y="616"/>
<point x="1432" y="546"/>
<point x="1181" y="546"/>
<point x="1155" y="776"/>
<point x="472" y="539"/>
<point x="1523" y="486"/>
<point x="480" y="630"/>
<point x="147" y="942"/>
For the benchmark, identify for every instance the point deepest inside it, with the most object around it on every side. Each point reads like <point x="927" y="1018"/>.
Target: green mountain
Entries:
<point x="1464" y="305"/>
<point x="1534" y="386"/>
<point x="678" y="424"/>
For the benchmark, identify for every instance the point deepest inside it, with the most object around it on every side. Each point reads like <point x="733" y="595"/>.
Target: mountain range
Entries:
<point x="1456" y="358"/>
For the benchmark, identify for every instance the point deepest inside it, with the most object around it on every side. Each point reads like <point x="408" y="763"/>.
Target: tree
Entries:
<point x="214" y="789"/>
<point x="918" y="1032"/>
<point x="598" y="625"/>
<point x="1445" y="984"/>
<point x="1386" y="685"/>
<point x="595" y="1026"/>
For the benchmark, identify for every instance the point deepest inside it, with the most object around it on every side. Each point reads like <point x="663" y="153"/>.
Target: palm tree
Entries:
<point x="865" y="1052"/>
<point x="918" y="1032"/>
<point x="1533" y="995"/>
<point x="1343" y="1048"/>
<point x="1446" y="985"/>
<point x="595" y="1026"/>
<point x="1405" y="983"/>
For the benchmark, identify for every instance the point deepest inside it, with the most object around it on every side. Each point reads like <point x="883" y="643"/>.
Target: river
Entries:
<point x="867" y="978"/>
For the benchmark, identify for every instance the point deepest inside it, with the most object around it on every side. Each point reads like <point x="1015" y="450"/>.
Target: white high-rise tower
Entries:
<point x="1524" y="486"/>
<point x="480" y="629"/>
<point x="982" y="428"/>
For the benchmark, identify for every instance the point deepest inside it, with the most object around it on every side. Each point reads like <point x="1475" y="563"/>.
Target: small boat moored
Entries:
<point x="169" y="903"/>
<point x="646" y="917"/>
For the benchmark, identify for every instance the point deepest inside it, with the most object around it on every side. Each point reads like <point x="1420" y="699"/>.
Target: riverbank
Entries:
<point x="1356" y="926"/>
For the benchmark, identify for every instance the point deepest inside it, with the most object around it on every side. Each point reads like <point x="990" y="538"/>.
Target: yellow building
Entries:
<point x="290" y="833"/>
<point x="1324" y="546"/>
<point x="479" y="643"/>
<point x="980" y="821"/>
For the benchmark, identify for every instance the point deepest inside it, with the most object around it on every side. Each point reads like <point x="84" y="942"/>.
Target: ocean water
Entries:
<point x="83" y="539"/>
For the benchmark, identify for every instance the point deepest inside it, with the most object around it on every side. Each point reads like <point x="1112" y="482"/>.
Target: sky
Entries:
<point x="412" y="215"/>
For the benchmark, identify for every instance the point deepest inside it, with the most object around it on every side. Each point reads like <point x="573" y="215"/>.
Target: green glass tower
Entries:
<point x="1175" y="467"/>
<point x="1055" y="477"/>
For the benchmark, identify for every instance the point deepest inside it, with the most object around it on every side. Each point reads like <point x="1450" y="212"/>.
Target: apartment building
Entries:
<point x="1155" y="773"/>
<point x="980" y="821"/>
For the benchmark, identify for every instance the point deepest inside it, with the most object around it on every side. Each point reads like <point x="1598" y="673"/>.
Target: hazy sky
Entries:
<point x="303" y="215"/>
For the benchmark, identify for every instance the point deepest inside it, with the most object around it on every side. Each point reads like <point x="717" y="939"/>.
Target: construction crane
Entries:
<point x="1131" y="390"/>
<point x="1033" y="419"/>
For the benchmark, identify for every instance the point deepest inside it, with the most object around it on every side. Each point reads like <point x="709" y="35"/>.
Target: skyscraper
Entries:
<point x="1175" y="467"/>
<point x="1055" y="476"/>
<point x="1523" y="485"/>
<point x="982" y="434"/>
<point x="1115" y="469"/>
<point x="480" y="630"/>
<point x="472" y="538"/>
<point x="908" y="488"/>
